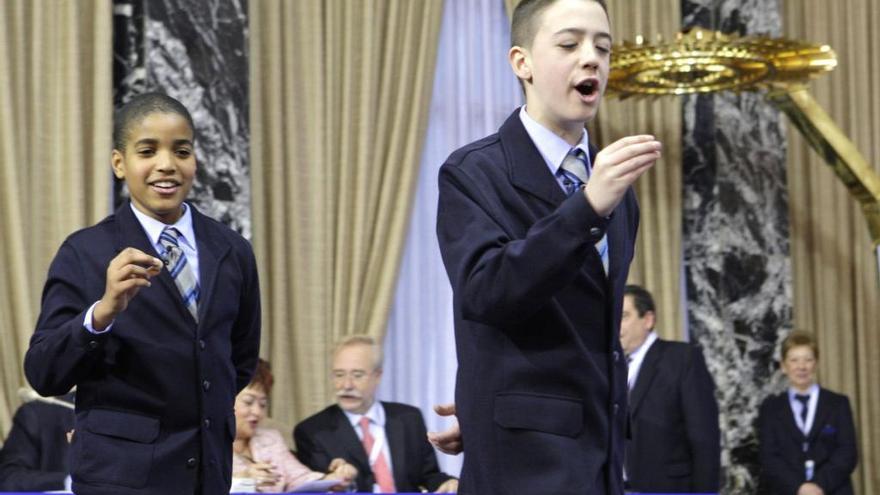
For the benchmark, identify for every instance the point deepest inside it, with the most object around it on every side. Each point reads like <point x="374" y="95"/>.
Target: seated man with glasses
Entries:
<point x="385" y="441"/>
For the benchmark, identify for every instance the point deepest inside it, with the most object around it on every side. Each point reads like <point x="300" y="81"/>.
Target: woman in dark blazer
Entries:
<point x="807" y="433"/>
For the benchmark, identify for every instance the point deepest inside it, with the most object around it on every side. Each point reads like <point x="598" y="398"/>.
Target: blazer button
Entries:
<point x="616" y="356"/>
<point x="616" y="407"/>
<point x="207" y="423"/>
<point x="206" y="385"/>
<point x="94" y="344"/>
<point x="191" y="462"/>
<point x="596" y="232"/>
<point x="202" y="344"/>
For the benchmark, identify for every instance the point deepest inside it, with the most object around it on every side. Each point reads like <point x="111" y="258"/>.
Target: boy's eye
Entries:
<point x="184" y="153"/>
<point x="146" y="151"/>
<point x="568" y="45"/>
<point x="603" y="49"/>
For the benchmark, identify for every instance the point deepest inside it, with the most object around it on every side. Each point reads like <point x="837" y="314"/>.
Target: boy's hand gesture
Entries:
<point x="617" y="167"/>
<point x="127" y="273"/>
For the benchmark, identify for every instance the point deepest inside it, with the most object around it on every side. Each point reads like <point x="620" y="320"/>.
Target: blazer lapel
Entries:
<point x="528" y="170"/>
<point x="394" y="433"/>
<point x="212" y="250"/>
<point x="131" y="234"/>
<point x="786" y="417"/>
<point x="646" y="375"/>
<point x="345" y="436"/>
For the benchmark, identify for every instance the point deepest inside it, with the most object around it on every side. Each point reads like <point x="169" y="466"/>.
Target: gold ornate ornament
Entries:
<point x="700" y="61"/>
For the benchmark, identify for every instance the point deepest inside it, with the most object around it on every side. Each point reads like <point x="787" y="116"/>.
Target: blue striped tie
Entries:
<point x="184" y="277"/>
<point x="576" y="172"/>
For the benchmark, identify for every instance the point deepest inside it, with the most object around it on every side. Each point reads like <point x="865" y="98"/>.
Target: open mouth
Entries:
<point x="588" y="87"/>
<point x="165" y="185"/>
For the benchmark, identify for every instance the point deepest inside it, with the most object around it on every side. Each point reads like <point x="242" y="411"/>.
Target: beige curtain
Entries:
<point x="55" y="122"/>
<point x="340" y="92"/>
<point x="657" y="265"/>
<point x="835" y="274"/>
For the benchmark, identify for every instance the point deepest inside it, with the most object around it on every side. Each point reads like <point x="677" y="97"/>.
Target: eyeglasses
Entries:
<point x="354" y="375"/>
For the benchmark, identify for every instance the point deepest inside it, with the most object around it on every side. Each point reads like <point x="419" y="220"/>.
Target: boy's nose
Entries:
<point x="589" y="56"/>
<point x="164" y="161"/>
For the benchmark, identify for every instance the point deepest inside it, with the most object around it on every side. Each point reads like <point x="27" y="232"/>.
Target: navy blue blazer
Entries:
<point x="541" y="385"/>
<point x="676" y="441"/>
<point x="831" y="445"/>
<point x="328" y="434"/>
<point x="34" y="457"/>
<point x="155" y="395"/>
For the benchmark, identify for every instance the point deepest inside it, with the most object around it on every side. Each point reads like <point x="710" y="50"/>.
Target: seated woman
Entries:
<point x="261" y="455"/>
<point x="808" y="439"/>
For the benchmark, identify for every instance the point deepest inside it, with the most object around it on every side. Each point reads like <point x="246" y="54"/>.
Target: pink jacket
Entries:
<point x="267" y="445"/>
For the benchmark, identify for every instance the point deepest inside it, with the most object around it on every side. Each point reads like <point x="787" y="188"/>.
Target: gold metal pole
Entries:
<point x="835" y="148"/>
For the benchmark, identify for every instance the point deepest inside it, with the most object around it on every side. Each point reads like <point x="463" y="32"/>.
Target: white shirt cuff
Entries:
<point x="88" y="323"/>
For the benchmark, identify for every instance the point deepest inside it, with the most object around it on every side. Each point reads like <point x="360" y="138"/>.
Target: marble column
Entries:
<point x="195" y="51"/>
<point x="736" y="238"/>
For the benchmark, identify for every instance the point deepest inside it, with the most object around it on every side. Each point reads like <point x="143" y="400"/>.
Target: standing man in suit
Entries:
<point x="537" y="233"/>
<point x="386" y="441"/>
<point x="807" y="433"/>
<point x="34" y="457"/>
<point x="154" y="314"/>
<point x="676" y="442"/>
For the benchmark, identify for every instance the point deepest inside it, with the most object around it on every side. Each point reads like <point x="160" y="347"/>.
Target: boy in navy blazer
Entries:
<point x="154" y="314"/>
<point x="537" y="232"/>
<point x="807" y="433"/>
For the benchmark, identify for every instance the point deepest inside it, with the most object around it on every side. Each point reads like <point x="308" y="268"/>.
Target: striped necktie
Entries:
<point x="575" y="171"/>
<point x="184" y="277"/>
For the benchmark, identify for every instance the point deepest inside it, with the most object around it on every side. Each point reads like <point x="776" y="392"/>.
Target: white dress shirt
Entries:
<point x="797" y="407"/>
<point x="636" y="358"/>
<point x="553" y="148"/>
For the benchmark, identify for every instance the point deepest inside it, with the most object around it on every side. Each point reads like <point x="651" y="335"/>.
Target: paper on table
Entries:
<point x="315" y="486"/>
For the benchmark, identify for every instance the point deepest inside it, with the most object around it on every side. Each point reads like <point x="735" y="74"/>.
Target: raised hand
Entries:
<point x="127" y="273"/>
<point x="617" y="167"/>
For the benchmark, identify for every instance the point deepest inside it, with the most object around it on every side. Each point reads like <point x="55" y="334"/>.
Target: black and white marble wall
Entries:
<point x="736" y="238"/>
<point x="195" y="51"/>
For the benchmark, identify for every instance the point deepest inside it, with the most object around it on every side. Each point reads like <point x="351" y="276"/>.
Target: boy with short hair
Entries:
<point x="537" y="232"/>
<point x="154" y="314"/>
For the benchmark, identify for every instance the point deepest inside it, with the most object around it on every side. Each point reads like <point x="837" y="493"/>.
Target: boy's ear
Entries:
<point x="520" y="62"/>
<point x="116" y="160"/>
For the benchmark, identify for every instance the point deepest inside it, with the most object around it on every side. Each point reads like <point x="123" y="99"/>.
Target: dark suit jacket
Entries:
<point x="541" y="386"/>
<point x="34" y="457"/>
<point x="154" y="406"/>
<point x="676" y="442"/>
<point x="831" y="445"/>
<point x="328" y="435"/>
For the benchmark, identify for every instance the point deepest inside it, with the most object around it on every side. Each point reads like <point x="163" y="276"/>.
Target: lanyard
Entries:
<point x="378" y="443"/>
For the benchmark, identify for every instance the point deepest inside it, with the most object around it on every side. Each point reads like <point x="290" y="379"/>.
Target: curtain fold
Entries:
<point x="339" y="104"/>
<point x="836" y="289"/>
<point x="55" y="125"/>
<point x="658" y="261"/>
<point x="474" y="91"/>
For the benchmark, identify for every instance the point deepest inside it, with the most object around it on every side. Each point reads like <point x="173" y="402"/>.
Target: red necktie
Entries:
<point x="380" y="466"/>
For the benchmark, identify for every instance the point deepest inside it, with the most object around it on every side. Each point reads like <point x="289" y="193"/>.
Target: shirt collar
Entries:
<point x="553" y="148"/>
<point x="639" y="353"/>
<point x="812" y="392"/>
<point x="154" y="227"/>
<point x="376" y="413"/>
